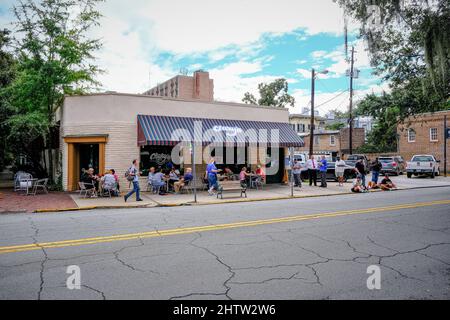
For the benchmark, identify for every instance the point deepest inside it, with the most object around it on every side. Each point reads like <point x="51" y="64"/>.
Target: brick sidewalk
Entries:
<point x="11" y="201"/>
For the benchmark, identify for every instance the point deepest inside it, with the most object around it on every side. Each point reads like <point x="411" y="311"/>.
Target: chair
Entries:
<point x="25" y="182"/>
<point x="256" y="183"/>
<point x="40" y="184"/>
<point x="87" y="191"/>
<point x="149" y="186"/>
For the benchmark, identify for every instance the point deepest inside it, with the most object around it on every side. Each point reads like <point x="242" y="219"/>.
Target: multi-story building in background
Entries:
<point x="196" y="87"/>
<point x="301" y="123"/>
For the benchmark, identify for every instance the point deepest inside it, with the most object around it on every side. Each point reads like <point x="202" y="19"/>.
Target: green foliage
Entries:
<point x="54" y="58"/>
<point x="410" y="48"/>
<point x="386" y="111"/>
<point x="335" y="126"/>
<point x="272" y="94"/>
<point x="7" y="74"/>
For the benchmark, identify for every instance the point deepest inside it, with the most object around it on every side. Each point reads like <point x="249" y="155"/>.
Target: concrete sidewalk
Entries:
<point x="278" y="192"/>
<point x="12" y="202"/>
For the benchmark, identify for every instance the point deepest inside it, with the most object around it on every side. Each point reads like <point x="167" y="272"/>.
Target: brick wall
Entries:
<point x="358" y="140"/>
<point x="324" y="143"/>
<point x="421" y="124"/>
<point x="120" y="150"/>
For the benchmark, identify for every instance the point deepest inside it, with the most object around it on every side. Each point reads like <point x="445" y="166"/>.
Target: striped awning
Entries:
<point x="168" y="130"/>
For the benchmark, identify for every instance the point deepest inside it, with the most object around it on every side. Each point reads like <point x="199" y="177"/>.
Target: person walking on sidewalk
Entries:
<point x="311" y="165"/>
<point x="133" y="175"/>
<point x="323" y="172"/>
<point x="211" y="174"/>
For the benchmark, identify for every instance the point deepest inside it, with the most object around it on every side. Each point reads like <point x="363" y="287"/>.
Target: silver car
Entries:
<point x="392" y="165"/>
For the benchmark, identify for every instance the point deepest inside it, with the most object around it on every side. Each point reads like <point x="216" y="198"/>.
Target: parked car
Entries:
<point x="423" y="165"/>
<point x="392" y="165"/>
<point x="352" y="159"/>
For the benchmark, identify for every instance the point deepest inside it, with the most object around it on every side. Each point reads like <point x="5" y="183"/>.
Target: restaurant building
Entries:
<point x="108" y="130"/>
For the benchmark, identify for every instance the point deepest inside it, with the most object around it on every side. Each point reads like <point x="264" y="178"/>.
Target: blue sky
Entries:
<point x="240" y="42"/>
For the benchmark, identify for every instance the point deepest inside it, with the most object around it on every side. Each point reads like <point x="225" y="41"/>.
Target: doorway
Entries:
<point x="84" y="152"/>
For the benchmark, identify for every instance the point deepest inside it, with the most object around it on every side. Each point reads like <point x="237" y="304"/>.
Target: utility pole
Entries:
<point x="350" y="136"/>
<point x="311" y="131"/>
<point x="445" y="145"/>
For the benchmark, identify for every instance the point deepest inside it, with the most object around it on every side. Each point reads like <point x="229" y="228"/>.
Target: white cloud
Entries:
<point x="205" y="25"/>
<point x="233" y="80"/>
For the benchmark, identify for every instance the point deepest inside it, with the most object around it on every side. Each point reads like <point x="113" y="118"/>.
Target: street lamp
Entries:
<point x="314" y="73"/>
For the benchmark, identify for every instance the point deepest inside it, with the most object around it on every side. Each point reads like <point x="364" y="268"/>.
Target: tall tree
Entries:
<point x="271" y="94"/>
<point x="7" y="72"/>
<point x="55" y="58"/>
<point x="409" y="44"/>
<point x="385" y="110"/>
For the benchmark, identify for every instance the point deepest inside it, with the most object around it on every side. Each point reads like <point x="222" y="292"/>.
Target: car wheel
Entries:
<point x="409" y="175"/>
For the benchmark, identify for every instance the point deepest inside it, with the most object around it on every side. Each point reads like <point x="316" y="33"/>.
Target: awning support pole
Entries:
<point x="291" y="153"/>
<point x="194" y="171"/>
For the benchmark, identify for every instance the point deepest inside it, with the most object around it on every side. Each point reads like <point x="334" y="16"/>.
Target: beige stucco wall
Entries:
<point x="116" y="116"/>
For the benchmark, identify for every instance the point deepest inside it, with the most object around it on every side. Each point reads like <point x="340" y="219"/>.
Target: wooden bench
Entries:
<point x="231" y="186"/>
<point x="197" y="184"/>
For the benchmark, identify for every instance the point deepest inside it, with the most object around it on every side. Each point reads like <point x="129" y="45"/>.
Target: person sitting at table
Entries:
<point x="185" y="179"/>
<point x="260" y="172"/>
<point x="386" y="184"/>
<point x="151" y="173"/>
<point x="109" y="182"/>
<point x="158" y="181"/>
<point x="116" y="177"/>
<point x="244" y="176"/>
<point x="90" y="178"/>
<point x="174" y="176"/>
<point x="228" y="174"/>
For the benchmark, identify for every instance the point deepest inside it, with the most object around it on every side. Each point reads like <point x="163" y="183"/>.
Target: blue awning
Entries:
<point x="168" y="130"/>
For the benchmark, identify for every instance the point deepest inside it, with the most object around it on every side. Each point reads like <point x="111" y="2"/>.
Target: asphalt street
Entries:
<point x="312" y="248"/>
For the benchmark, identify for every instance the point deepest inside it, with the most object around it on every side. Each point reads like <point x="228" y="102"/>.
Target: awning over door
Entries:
<point x="167" y="130"/>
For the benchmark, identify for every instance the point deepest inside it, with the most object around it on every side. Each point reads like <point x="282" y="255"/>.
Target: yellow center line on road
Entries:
<point x="188" y="230"/>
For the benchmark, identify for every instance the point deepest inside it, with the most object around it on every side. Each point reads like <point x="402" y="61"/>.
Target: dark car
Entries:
<point x="392" y="165"/>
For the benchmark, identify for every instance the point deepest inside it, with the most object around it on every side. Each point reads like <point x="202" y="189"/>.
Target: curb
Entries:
<point x="93" y="207"/>
<point x="225" y="201"/>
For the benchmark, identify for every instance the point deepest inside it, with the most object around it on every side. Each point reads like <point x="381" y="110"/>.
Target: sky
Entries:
<point x="240" y="42"/>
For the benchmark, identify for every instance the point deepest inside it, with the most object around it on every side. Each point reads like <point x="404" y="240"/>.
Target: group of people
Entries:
<point x="158" y="179"/>
<point x="319" y="168"/>
<point x="359" y="184"/>
<point x="314" y="168"/>
<point x="109" y="181"/>
<point x="245" y="176"/>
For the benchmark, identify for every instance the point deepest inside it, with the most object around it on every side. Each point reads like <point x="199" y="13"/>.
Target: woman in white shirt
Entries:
<point x="339" y="169"/>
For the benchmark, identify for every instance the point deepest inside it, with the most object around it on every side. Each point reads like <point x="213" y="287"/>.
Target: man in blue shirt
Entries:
<point x="323" y="172"/>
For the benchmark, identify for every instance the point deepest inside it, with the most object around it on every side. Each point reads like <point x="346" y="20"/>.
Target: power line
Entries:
<point x="339" y="94"/>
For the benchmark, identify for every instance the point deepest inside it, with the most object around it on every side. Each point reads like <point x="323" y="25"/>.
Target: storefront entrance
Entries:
<point x="84" y="153"/>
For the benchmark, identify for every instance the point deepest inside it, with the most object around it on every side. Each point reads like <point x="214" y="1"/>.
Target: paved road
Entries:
<point x="316" y="248"/>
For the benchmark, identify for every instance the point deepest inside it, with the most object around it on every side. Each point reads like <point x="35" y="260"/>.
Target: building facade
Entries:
<point x="301" y="123"/>
<point x="108" y="131"/>
<point x="333" y="142"/>
<point x="424" y="134"/>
